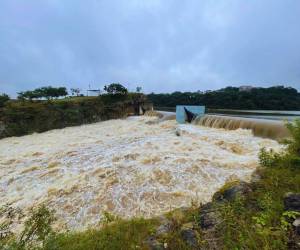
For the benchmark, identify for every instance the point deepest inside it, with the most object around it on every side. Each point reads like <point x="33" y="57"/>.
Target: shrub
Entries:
<point x="291" y="156"/>
<point x="37" y="229"/>
<point x="268" y="158"/>
<point x="3" y="99"/>
<point x="293" y="144"/>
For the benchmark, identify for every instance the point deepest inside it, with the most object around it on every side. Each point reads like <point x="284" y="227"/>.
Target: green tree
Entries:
<point x="43" y="92"/>
<point x="115" y="88"/>
<point x="51" y="92"/>
<point x="3" y="99"/>
<point x="29" y="95"/>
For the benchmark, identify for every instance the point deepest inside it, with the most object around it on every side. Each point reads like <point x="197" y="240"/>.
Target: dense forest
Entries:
<point x="273" y="98"/>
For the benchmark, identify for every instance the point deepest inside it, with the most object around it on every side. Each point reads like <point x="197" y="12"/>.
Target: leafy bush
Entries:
<point x="293" y="145"/>
<point x="3" y="99"/>
<point x="37" y="227"/>
<point x="8" y="215"/>
<point x="291" y="156"/>
<point x="268" y="158"/>
<point x="36" y="233"/>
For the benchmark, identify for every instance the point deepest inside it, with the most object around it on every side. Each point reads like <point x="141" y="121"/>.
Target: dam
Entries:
<point x="260" y="127"/>
<point x="263" y="126"/>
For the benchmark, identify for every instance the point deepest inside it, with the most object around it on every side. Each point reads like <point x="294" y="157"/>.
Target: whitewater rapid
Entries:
<point x="130" y="167"/>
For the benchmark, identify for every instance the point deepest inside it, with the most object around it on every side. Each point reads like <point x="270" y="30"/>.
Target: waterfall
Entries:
<point x="260" y="127"/>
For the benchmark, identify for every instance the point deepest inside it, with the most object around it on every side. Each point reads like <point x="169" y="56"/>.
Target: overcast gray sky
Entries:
<point x="161" y="45"/>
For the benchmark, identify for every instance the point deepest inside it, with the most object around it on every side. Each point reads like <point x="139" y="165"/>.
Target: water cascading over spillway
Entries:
<point x="260" y="127"/>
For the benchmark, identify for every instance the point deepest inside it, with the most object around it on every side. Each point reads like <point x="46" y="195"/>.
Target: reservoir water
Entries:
<point x="262" y="123"/>
<point x="259" y="114"/>
<point x="281" y="115"/>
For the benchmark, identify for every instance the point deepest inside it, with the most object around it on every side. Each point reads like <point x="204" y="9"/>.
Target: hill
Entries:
<point x="273" y="98"/>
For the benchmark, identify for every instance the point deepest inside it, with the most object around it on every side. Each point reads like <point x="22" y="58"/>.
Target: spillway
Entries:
<point x="259" y="127"/>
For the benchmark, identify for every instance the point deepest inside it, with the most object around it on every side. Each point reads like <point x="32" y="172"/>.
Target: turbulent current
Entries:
<point x="131" y="167"/>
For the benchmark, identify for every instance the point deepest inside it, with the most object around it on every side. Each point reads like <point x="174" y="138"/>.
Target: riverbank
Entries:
<point x="26" y="117"/>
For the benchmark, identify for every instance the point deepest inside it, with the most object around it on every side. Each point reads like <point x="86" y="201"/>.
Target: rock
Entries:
<point x="190" y="236"/>
<point x="292" y="202"/>
<point x="296" y="225"/>
<point x="293" y="244"/>
<point x="209" y="216"/>
<point x="178" y="132"/>
<point x="232" y="191"/>
<point x="153" y="244"/>
<point x="164" y="228"/>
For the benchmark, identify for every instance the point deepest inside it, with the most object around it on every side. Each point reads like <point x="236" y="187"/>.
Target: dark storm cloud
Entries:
<point x="161" y="45"/>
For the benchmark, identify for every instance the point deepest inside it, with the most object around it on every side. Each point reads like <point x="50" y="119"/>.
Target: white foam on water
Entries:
<point x="129" y="167"/>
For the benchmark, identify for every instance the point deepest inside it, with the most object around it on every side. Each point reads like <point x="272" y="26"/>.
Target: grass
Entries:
<point x="120" y="234"/>
<point x="257" y="220"/>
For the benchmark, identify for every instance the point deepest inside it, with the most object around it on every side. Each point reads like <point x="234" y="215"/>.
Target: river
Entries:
<point x="129" y="167"/>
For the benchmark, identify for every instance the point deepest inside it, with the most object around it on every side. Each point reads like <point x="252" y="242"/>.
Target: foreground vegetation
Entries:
<point x="253" y="217"/>
<point x="273" y="98"/>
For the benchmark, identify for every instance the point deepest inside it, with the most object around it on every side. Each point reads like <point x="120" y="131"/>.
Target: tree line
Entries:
<point x="272" y="98"/>
<point x="50" y="92"/>
<point x="43" y="92"/>
<point x="276" y="98"/>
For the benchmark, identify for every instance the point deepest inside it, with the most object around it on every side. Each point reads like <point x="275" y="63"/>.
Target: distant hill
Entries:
<point x="244" y="97"/>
